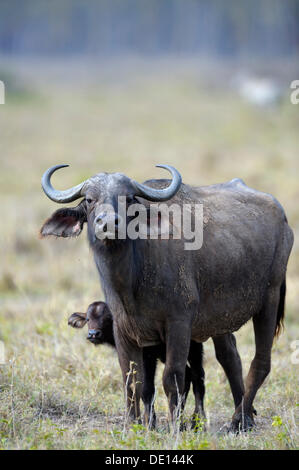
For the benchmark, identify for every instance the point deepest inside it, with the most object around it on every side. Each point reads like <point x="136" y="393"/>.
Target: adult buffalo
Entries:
<point x="160" y="292"/>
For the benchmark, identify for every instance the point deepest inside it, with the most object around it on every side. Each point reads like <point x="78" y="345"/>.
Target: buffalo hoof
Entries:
<point x="241" y="423"/>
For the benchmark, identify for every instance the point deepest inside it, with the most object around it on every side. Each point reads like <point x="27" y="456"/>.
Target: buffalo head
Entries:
<point x="99" y="321"/>
<point x="99" y="208"/>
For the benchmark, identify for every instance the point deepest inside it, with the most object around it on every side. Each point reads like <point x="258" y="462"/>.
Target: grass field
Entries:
<point x="56" y="390"/>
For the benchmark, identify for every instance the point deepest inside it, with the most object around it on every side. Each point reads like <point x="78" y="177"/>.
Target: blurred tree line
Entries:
<point x="112" y="27"/>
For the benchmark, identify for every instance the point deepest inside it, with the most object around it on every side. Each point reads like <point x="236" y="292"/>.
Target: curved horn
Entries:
<point x="68" y="195"/>
<point x="153" y="194"/>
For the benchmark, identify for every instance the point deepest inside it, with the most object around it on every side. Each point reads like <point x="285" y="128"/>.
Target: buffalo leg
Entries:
<point x="227" y="355"/>
<point x="198" y="381"/>
<point x="264" y="329"/>
<point x="148" y="389"/>
<point x="131" y="364"/>
<point x="177" y="350"/>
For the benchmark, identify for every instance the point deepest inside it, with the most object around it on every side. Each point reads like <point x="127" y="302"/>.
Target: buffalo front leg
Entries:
<point x="131" y="364"/>
<point x="264" y="329"/>
<point x="177" y="349"/>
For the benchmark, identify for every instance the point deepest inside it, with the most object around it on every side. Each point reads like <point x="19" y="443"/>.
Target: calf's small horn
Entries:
<point x="67" y="195"/>
<point x="164" y="194"/>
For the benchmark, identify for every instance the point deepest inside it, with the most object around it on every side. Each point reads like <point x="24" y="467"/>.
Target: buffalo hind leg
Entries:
<point x="198" y="381"/>
<point x="227" y="355"/>
<point x="264" y="329"/>
<point x="177" y="350"/>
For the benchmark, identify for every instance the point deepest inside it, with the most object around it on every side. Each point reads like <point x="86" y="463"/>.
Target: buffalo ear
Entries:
<point x="77" y="320"/>
<point x="66" y="222"/>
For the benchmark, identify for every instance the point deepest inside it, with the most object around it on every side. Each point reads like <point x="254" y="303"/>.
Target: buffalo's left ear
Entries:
<point x="77" y="320"/>
<point x="66" y="222"/>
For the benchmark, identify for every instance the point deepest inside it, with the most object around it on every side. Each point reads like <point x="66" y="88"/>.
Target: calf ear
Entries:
<point x="77" y="320"/>
<point x="66" y="222"/>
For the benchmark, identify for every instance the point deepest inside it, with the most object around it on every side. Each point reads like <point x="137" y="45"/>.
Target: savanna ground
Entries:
<point x="57" y="391"/>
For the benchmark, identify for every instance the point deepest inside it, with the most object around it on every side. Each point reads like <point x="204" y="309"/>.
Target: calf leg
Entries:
<point x="177" y="349"/>
<point x="148" y="389"/>
<point x="188" y="378"/>
<point x="264" y="329"/>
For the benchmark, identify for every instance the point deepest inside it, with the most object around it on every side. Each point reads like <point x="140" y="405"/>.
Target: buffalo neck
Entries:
<point x="119" y="265"/>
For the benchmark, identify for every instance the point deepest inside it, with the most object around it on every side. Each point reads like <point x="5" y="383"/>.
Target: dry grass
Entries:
<point x="56" y="390"/>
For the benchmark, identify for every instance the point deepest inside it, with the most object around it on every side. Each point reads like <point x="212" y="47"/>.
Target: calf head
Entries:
<point x="100" y="323"/>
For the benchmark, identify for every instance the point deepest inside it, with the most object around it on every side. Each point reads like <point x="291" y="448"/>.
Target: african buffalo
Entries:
<point x="99" y="320"/>
<point x="159" y="291"/>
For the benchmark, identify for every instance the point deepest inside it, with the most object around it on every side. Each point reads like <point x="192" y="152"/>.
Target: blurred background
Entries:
<point x="121" y="86"/>
<point x="104" y="28"/>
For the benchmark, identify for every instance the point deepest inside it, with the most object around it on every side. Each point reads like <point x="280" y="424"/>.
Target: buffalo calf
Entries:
<point x="99" y="319"/>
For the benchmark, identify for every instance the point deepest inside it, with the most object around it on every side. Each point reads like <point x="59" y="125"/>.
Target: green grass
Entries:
<point x="56" y="390"/>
